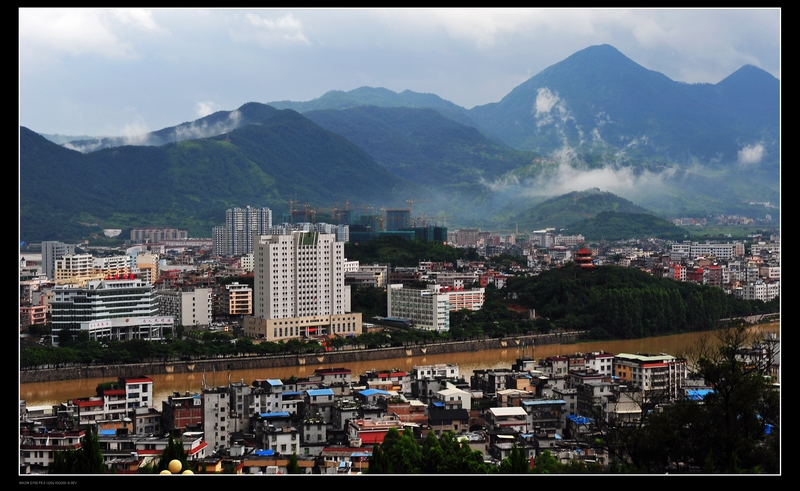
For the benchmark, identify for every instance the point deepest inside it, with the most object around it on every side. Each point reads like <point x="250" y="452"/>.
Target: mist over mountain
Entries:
<point x="422" y="145"/>
<point x="191" y="183"/>
<point x="600" y="101"/>
<point x="595" y="120"/>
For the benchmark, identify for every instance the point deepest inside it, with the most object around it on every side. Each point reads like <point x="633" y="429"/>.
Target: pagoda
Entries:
<point x="584" y="258"/>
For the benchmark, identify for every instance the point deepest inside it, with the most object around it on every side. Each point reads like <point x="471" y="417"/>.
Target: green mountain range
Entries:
<point x="191" y="183"/>
<point x="683" y="149"/>
<point x="562" y="211"/>
<point x="610" y="225"/>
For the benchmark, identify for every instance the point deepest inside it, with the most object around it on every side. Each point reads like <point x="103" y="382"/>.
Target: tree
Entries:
<point x="516" y="463"/>
<point x="173" y="451"/>
<point x="740" y="407"/>
<point x="734" y="429"/>
<point x="292" y="467"/>
<point x="86" y="460"/>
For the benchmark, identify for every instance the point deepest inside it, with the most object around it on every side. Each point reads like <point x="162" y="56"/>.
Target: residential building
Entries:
<point x="426" y="308"/>
<point x="760" y="290"/>
<point x="37" y="449"/>
<point x="299" y="288"/>
<point x="51" y="251"/>
<point x="147" y="267"/>
<point x="77" y="266"/>
<point x="188" y="308"/>
<point x="215" y="418"/>
<point x="657" y="376"/>
<point x="242" y="225"/>
<point x="179" y="412"/>
<point x="237" y="300"/>
<point x="154" y="234"/>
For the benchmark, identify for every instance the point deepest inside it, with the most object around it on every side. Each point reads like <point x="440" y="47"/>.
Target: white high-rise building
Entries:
<point x="242" y="225"/>
<point x="299" y="288"/>
<point x="298" y="275"/>
<point x="51" y="251"/>
<point x="119" y="309"/>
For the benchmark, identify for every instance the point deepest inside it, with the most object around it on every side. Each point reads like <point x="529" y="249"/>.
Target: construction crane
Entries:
<point x="411" y="201"/>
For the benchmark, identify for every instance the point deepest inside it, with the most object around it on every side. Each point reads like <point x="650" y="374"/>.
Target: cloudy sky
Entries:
<point x="124" y="72"/>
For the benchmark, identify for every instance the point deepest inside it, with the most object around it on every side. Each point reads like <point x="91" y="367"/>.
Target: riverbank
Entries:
<point x="339" y="357"/>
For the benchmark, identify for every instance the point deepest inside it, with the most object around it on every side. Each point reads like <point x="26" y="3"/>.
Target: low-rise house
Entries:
<point x="37" y="449"/>
<point x="455" y="420"/>
<point x="179" y="412"/>
<point x="370" y="432"/>
<point x="545" y="414"/>
<point x="507" y="418"/>
<point x="319" y="402"/>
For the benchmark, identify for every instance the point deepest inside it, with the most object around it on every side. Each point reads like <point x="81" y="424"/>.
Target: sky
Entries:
<point x="104" y="72"/>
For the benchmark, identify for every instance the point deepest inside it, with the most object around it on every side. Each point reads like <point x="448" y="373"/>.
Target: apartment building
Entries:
<point x="299" y="288"/>
<point x="242" y="226"/>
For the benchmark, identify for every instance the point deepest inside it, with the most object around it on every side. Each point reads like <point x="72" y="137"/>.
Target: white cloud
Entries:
<point x="140" y="18"/>
<point x="204" y="108"/>
<point x="204" y="130"/>
<point x="567" y="175"/>
<point x="545" y="101"/>
<point x="269" y="31"/>
<point x="135" y="133"/>
<point x="751" y="154"/>
<point x="48" y="32"/>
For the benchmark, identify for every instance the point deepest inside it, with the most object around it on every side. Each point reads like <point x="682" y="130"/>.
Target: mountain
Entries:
<point x="597" y="116"/>
<point x="598" y="100"/>
<point x="190" y="184"/>
<point x="562" y="211"/>
<point x="610" y="225"/>
<point x="215" y="124"/>
<point x="380" y="97"/>
<point x="421" y="145"/>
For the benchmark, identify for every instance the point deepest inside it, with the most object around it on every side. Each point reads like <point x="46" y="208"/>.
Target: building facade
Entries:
<point x="120" y="309"/>
<point x="52" y="250"/>
<point x="242" y="226"/>
<point x="299" y="288"/>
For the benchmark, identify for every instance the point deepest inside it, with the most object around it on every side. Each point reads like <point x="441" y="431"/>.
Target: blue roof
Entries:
<point x="438" y="404"/>
<point x="274" y="381"/>
<point x="293" y="393"/>
<point x="263" y="453"/>
<point x="108" y="432"/>
<point x="320" y="392"/>
<point x="281" y="414"/>
<point x="372" y="392"/>
<point x="581" y="420"/>
<point x="698" y="395"/>
<point x="546" y="401"/>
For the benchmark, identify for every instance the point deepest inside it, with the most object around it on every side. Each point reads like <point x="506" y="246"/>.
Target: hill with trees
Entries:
<point x="190" y="184"/>
<point x="566" y="209"/>
<point x="612" y="225"/>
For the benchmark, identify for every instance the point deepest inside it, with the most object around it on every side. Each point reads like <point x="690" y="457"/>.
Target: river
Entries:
<point x="52" y="393"/>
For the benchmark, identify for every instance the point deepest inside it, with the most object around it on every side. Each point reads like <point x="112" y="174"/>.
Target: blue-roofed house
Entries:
<point x="372" y="396"/>
<point x="319" y="402"/>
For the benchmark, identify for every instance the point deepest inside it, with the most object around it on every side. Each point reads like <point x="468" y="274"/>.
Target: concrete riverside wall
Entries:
<point x="339" y="357"/>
